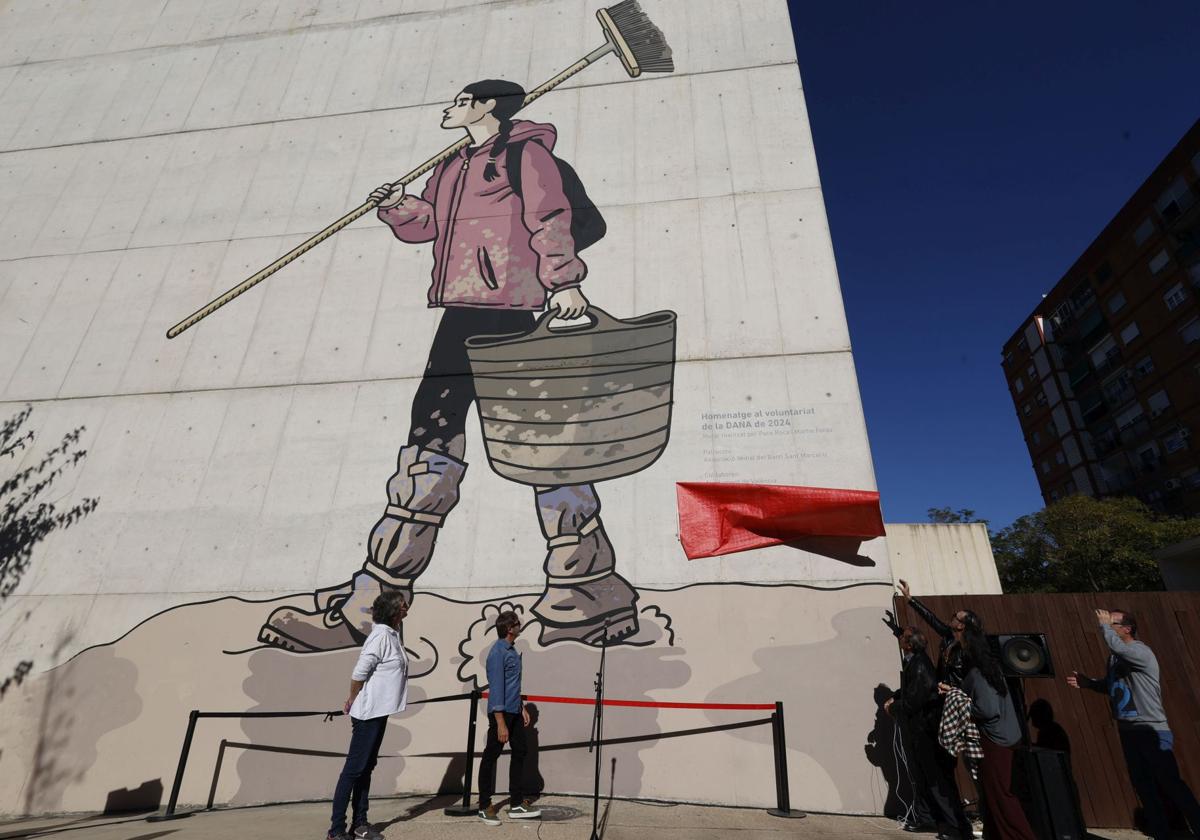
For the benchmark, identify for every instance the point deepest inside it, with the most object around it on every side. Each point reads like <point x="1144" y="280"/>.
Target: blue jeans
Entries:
<point x="354" y="785"/>
<point x="1150" y="756"/>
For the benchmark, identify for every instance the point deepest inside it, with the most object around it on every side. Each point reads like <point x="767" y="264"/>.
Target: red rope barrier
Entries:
<point x="644" y="704"/>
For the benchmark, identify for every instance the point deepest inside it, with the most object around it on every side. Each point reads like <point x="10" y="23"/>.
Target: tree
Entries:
<point x="946" y="516"/>
<point x="25" y="517"/>
<point x="1081" y="544"/>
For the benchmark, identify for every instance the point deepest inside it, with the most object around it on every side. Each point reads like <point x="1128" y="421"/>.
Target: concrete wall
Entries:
<point x="939" y="559"/>
<point x="156" y="152"/>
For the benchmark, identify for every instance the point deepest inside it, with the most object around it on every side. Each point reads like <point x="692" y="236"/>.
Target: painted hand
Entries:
<point x="570" y="303"/>
<point x="386" y="196"/>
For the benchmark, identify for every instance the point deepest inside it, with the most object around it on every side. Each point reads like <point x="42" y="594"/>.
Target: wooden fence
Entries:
<point x="1169" y="622"/>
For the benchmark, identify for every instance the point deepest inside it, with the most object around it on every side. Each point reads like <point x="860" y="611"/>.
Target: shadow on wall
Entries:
<point x="880" y="750"/>
<point x="70" y="727"/>
<point x="275" y="676"/>
<point x="814" y="692"/>
<point x="26" y="518"/>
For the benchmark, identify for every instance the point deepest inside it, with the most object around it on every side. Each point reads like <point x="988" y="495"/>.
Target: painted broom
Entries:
<point x="628" y="34"/>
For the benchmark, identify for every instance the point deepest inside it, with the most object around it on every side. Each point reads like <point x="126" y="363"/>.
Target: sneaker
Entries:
<point x="365" y="832"/>
<point x="524" y="811"/>
<point x="489" y="816"/>
<point x="343" y="836"/>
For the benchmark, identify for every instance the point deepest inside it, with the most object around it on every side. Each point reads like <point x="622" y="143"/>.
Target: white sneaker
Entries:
<point x="524" y="811"/>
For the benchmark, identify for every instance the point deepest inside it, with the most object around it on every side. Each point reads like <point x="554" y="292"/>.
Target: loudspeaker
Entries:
<point x="1052" y="804"/>
<point x="1023" y="654"/>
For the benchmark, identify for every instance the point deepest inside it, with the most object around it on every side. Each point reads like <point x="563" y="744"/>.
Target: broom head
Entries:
<point x="638" y="43"/>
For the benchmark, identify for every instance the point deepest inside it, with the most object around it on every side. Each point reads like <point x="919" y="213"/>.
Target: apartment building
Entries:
<point x="1105" y="372"/>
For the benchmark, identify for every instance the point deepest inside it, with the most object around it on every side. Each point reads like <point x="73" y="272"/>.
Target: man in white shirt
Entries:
<point x="378" y="688"/>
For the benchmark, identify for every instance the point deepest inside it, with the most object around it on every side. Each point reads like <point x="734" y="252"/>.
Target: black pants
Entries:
<point x="1150" y="757"/>
<point x="491" y="752"/>
<point x="354" y="785"/>
<point x="439" y="410"/>
<point x="934" y="774"/>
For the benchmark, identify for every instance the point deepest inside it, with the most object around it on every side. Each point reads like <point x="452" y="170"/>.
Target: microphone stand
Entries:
<point x="598" y="731"/>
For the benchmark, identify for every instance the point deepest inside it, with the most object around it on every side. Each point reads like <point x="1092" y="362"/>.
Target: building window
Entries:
<point x="1175" y="441"/>
<point x="1159" y="261"/>
<point x="1158" y="402"/>
<point x="1031" y="372"/>
<point x="1023" y="345"/>
<point x="1177" y="198"/>
<point x="1103" y="273"/>
<point x="1054" y="495"/>
<point x="1037" y="437"/>
<point x="1045" y="467"/>
<point x="1019" y="385"/>
<point x="1052" y="429"/>
<point x="1027" y="409"/>
<point x="1190" y="332"/>
<point x="1116" y="302"/>
<point x="1040" y="399"/>
<point x="1174" y="296"/>
<point x="1144" y="232"/>
<point x="1129" y="416"/>
<point x="1144" y="367"/>
<point x="1059" y="457"/>
<point x="1130" y="332"/>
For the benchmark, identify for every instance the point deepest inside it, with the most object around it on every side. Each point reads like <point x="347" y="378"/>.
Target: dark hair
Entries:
<point x="387" y="606"/>
<point x="917" y="640"/>
<point x="1128" y="619"/>
<point x="509" y="97"/>
<point x="505" y="622"/>
<point x="971" y="621"/>
<point x="977" y="653"/>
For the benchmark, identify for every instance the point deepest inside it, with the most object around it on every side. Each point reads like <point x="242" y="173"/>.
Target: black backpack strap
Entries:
<point x="512" y="161"/>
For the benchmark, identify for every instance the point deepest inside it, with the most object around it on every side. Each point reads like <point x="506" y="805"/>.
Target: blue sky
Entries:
<point x="969" y="152"/>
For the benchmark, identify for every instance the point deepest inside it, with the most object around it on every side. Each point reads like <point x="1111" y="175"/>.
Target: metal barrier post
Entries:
<point x="465" y="810"/>
<point x="170" y="814"/>
<point x="782" y="792"/>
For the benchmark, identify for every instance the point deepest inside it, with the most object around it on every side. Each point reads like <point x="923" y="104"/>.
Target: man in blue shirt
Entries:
<point x="507" y="720"/>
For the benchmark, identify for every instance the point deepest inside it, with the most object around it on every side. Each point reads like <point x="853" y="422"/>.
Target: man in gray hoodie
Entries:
<point x="1132" y="686"/>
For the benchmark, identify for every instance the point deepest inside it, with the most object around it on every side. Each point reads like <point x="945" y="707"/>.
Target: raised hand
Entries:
<point x="905" y="593"/>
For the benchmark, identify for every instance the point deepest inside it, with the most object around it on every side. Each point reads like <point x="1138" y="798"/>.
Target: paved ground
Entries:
<point x="421" y="818"/>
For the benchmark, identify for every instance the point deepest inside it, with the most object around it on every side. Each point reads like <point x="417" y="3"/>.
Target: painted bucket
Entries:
<point x="576" y="404"/>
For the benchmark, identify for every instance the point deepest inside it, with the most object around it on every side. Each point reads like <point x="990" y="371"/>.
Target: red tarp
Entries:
<point x="718" y="518"/>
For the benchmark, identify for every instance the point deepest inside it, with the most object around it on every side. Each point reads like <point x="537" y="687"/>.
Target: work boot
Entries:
<point x="421" y="492"/>
<point x="584" y="594"/>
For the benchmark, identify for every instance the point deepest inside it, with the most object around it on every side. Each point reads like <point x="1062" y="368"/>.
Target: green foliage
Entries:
<point x="1081" y="544"/>
<point x="947" y="516"/>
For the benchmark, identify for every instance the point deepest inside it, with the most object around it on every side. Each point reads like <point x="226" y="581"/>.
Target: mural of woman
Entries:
<point x="503" y="250"/>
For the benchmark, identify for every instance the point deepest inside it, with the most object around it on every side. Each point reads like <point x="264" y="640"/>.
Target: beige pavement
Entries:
<point x="421" y="818"/>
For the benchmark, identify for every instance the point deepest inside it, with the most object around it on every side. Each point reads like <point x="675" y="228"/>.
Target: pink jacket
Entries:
<point x="490" y="249"/>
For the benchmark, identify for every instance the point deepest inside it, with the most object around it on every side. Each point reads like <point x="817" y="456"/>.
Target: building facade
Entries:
<point x="249" y="487"/>
<point x="1105" y="373"/>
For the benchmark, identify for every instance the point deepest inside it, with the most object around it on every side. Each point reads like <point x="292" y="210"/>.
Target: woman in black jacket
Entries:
<point x="950" y="669"/>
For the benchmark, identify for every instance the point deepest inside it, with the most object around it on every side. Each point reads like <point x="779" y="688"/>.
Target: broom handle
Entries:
<point x="368" y="205"/>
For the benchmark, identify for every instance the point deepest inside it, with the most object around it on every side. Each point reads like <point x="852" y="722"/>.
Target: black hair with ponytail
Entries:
<point x="509" y="97"/>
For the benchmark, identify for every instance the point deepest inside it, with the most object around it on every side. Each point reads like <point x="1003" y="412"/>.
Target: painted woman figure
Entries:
<point x="502" y="252"/>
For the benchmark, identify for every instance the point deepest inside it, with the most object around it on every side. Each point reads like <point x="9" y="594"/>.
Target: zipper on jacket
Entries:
<point x="455" y="200"/>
